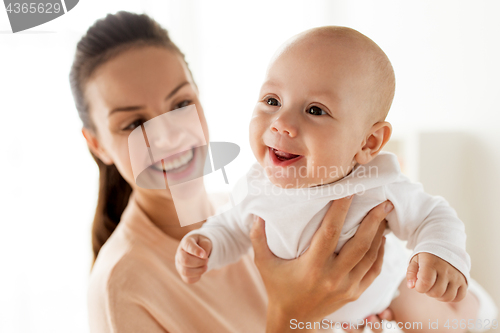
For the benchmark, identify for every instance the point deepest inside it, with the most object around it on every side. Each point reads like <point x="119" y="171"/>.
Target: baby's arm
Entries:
<point x="222" y="240"/>
<point x="439" y="266"/>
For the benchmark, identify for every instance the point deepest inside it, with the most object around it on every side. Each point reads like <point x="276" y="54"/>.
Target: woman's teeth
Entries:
<point x="282" y="156"/>
<point x="180" y="161"/>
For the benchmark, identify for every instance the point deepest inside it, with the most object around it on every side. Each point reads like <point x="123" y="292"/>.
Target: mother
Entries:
<point x="125" y="72"/>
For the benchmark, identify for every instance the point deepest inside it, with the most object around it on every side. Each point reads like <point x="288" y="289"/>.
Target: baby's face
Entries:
<point x="310" y="120"/>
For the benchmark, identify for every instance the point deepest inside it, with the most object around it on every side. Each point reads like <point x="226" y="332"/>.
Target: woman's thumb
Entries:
<point x="259" y="240"/>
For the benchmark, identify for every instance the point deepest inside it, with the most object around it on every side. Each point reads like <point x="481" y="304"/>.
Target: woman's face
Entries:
<point x="137" y="85"/>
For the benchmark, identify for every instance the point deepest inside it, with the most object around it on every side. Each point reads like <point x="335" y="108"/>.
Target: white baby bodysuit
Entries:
<point x="292" y="216"/>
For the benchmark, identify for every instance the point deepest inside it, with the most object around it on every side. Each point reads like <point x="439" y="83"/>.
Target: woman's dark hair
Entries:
<point x="104" y="40"/>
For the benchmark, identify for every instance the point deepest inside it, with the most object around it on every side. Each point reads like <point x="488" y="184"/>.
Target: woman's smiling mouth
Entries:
<point x="176" y="164"/>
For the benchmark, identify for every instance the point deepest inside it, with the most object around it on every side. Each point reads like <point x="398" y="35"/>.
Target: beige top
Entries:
<point x="134" y="287"/>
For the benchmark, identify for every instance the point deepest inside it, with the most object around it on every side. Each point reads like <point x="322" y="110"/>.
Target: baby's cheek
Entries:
<point x="256" y="127"/>
<point x="256" y="132"/>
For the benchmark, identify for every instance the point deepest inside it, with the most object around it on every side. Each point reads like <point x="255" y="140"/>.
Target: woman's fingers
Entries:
<point x="374" y="270"/>
<point x="356" y="248"/>
<point x="325" y="239"/>
<point x="365" y="264"/>
<point x="259" y="242"/>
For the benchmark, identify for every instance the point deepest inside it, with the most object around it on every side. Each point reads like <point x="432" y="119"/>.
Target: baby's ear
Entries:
<point x="375" y="140"/>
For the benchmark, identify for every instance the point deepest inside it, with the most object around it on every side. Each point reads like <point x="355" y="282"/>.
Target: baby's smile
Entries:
<point x="282" y="158"/>
<point x="316" y="111"/>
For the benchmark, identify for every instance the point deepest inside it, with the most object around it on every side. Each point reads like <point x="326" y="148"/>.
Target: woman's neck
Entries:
<point x="161" y="210"/>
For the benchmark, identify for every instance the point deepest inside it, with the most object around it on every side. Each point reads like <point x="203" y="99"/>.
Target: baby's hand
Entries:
<point x="192" y="257"/>
<point x="436" y="278"/>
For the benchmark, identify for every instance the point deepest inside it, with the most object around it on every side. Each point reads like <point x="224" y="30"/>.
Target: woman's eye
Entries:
<point x="134" y="124"/>
<point x="273" y="102"/>
<point x="315" y="111"/>
<point x="183" y="104"/>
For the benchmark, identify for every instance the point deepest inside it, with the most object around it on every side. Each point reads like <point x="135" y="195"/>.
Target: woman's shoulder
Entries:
<point x="122" y="263"/>
<point x="134" y="280"/>
<point x="132" y="283"/>
<point x="131" y="254"/>
<point x="120" y="283"/>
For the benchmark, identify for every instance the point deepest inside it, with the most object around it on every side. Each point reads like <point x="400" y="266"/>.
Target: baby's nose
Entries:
<point x="284" y="126"/>
<point x="284" y="131"/>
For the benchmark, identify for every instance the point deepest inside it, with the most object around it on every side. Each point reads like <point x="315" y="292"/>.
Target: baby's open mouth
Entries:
<point x="282" y="155"/>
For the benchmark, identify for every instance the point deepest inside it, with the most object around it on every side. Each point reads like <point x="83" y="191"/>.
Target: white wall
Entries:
<point x="445" y="55"/>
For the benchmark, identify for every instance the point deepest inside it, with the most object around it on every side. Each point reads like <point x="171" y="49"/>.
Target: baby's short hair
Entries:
<point x="381" y="71"/>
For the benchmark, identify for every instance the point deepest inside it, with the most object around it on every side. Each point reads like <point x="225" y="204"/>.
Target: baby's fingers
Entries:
<point x="426" y="278"/>
<point x="191" y="246"/>
<point x="439" y="288"/>
<point x="450" y="293"/>
<point x="375" y="322"/>
<point x="192" y="275"/>
<point x="352" y="330"/>
<point x="192" y="272"/>
<point x="411" y="273"/>
<point x="461" y="292"/>
<point x="185" y="259"/>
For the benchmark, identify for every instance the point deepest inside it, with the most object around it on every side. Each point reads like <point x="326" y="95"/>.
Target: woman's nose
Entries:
<point x="165" y="133"/>
<point x="167" y="139"/>
<point x="284" y="124"/>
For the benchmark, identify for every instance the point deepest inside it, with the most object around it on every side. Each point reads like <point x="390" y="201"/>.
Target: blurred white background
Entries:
<point x="446" y="119"/>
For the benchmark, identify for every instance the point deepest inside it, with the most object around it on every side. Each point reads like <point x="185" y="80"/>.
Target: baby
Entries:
<point x="317" y="133"/>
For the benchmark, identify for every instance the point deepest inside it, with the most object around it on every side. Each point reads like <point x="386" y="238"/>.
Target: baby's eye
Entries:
<point x="133" y="125"/>
<point x="273" y="101"/>
<point x="183" y="104"/>
<point x="315" y="111"/>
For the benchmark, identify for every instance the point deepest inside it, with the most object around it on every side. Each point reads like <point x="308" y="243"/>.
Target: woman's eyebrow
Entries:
<point x="138" y="107"/>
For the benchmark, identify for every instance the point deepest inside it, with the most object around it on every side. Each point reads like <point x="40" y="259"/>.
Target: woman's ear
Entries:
<point x="375" y="140"/>
<point x="95" y="147"/>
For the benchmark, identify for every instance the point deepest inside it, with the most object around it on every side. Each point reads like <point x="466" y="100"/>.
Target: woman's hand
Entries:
<point x="320" y="282"/>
